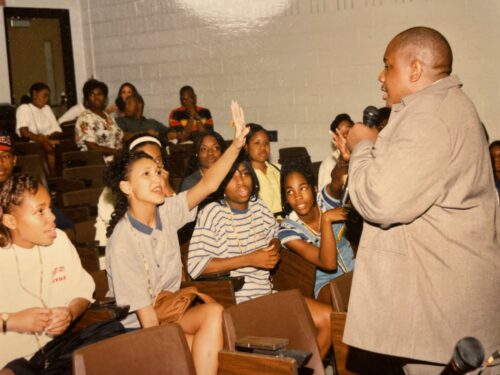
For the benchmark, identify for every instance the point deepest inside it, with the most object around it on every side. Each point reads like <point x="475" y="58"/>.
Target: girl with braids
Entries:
<point x="237" y="234"/>
<point x="143" y="254"/>
<point x="312" y="228"/>
<point x="107" y="200"/>
<point x="43" y="286"/>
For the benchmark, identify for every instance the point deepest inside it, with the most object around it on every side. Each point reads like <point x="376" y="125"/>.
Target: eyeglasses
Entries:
<point x="6" y="156"/>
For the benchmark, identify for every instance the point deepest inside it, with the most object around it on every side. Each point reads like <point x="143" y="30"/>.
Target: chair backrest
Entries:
<point x="85" y="231"/>
<point x="91" y="173"/>
<point x="340" y="288"/>
<point x="283" y="315"/>
<point x="81" y="158"/>
<point x="101" y="284"/>
<point x="294" y="154"/>
<point x="81" y="197"/>
<point x="337" y="292"/>
<point x="294" y="272"/>
<point x="33" y="164"/>
<point x="161" y="350"/>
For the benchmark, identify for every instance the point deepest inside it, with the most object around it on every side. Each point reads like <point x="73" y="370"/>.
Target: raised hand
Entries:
<point x="341" y="143"/>
<point x="240" y="128"/>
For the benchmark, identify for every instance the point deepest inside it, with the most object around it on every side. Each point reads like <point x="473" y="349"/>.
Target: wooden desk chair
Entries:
<point x="81" y="158"/>
<point x="337" y="292"/>
<point x="283" y="315"/>
<point x="161" y="350"/>
<point x="294" y="272"/>
<point x="288" y="154"/>
<point x="88" y="197"/>
<point x="35" y="165"/>
<point x="237" y="363"/>
<point x="91" y="174"/>
<point x="32" y="148"/>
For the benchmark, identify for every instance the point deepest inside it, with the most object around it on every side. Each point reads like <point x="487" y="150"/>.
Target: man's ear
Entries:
<point x="9" y="221"/>
<point x="416" y="69"/>
<point x="125" y="187"/>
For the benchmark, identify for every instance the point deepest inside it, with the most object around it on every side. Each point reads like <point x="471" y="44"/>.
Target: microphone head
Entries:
<point x="370" y="116"/>
<point x="468" y="355"/>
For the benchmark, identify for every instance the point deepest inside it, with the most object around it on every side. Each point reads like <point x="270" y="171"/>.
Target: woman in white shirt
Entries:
<point x="36" y="122"/>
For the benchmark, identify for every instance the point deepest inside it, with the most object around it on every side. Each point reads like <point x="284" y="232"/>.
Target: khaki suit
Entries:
<point x="428" y="265"/>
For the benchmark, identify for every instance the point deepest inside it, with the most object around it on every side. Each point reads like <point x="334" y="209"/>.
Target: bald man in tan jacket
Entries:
<point x="428" y="266"/>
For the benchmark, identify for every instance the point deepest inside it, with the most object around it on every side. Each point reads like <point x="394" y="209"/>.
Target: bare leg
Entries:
<point x="205" y="323"/>
<point x="320" y="313"/>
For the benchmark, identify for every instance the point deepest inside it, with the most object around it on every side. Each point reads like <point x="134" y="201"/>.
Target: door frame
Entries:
<point x="67" y="46"/>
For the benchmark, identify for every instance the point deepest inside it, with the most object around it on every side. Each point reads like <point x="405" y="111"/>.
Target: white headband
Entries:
<point x="146" y="138"/>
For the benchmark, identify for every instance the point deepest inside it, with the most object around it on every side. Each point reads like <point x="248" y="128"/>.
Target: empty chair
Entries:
<point x="283" y="315"/>
<point x="85" y="231"/>
<point x="161" y="350"/>
<point x="91" y="174"/>
<point x="288" y="154"/>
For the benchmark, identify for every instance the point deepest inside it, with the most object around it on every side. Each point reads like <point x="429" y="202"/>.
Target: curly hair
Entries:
<point x="12" y="194"/>
<point x="90" y="86"/>
<point x="118" y="170"/>
<point x="290" y="167"/>
<point x="241" y="159"/>
<point x="120" y="103"/>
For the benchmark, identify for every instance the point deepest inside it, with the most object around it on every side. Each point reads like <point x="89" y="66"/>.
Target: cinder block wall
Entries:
<point x="293" y="64"/>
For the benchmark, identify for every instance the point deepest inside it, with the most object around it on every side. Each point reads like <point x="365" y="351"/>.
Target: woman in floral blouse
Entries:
<point x="95" y="129"/>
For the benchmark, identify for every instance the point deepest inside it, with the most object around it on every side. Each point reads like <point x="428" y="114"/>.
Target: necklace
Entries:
<point x="313" y="231"/>
<point x="38" y="297"/>
<point x="236" y="234"/>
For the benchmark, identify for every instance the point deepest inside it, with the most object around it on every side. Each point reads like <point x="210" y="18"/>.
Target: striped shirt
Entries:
<point x="223" y="233"/>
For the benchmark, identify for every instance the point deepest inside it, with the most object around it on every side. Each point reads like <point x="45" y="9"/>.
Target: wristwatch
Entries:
<point x="5" y="317"/>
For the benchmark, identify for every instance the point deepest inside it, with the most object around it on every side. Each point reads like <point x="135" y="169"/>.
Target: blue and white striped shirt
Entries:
<point x="224" y="233"/>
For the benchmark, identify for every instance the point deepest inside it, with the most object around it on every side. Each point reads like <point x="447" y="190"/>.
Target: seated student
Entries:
<point x="107" y="200"/>
<point x="118" y="108"/>
<point x="133" y="121"/>
<point x="259" y="151"/>
<point x="36" y="122"/>
<point x="237" y="234"/>
<point x="143" y="254"/>
<point x="95" y="129"/>
<point x="43" y="286"/>
<point x="208" y="147"/>
<point x="313" y="227"/>
<point x="190" y="116"/>
<point x="342" y="123"/>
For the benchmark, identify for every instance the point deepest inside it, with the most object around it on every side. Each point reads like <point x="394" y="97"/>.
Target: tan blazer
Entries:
<point x="428" y="266"/>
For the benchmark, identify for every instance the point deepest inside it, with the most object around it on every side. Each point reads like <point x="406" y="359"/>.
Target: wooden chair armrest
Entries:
<point x="238" y="363"/>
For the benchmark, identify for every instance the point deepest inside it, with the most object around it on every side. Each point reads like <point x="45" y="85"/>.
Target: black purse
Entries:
<point x="55" y="358"/>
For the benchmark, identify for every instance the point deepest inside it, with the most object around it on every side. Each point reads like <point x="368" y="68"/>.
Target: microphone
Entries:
<point x="468" y="355"/>
<point x="370" y="116"/>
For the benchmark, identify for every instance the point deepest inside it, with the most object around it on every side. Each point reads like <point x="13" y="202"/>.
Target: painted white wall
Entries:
<point x="293" y="64"/>
<point x="76" y="35"/>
